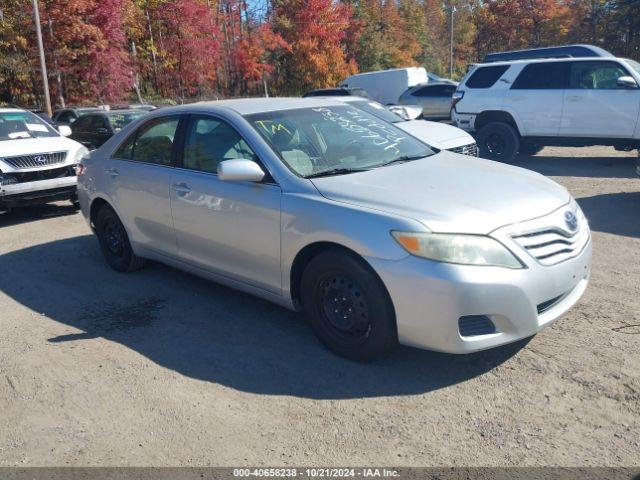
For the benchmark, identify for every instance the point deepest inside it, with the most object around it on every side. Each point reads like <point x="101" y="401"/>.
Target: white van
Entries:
<point x="386" y="86"/>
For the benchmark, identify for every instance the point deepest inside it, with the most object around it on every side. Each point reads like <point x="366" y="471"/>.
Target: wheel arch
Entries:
<point x="489" y="116"/>
<point x="308" y="253"/>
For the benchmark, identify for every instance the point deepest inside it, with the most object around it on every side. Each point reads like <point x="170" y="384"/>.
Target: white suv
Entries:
<point x="37" y="163"/>
<point x="520" y="106"/>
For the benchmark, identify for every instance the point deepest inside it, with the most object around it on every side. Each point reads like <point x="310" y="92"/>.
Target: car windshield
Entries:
<point x="633" y="64"/>
<point x="377" y="110"/>
<point x="119" y="120"/>
<point x="335" y="140"/>
<point x="17" y="125"/>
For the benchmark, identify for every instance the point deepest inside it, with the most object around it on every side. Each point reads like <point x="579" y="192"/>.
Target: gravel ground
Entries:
<point x="163" y="368"/>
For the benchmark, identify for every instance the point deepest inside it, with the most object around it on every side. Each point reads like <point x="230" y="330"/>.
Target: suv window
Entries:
<point x="151" y="143"/>
<point x="486" y="77"/>
<point x="82" y="124"/>
<point x="596" y="75"/>
<point x="66" y="116"/>
<point x="209" y="141"/>
<point x="97" y="121"/>
<point x="543" y="76"/>
<point x="434" y="91"/>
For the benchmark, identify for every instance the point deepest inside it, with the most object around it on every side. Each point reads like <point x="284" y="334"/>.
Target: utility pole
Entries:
<point x="43" y="64"/>
<point x="453" y="9"/>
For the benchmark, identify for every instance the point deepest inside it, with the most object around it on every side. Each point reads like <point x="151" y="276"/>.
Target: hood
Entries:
<point x="29" y="146"/>
<point x="448" y="192"/>
<point x="436" y="134"/>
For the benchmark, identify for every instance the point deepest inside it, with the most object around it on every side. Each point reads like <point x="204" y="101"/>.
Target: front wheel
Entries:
<point x="114" y="242"/>
<point x="348" y="306"/>
<point x="498" y="141"/>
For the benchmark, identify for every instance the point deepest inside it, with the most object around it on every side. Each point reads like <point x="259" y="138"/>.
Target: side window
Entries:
<point x="82" y="124"/>
<point x="542" y="76"/>
<point x="154" y="141"/>
<point x="209" y="141"/>
<point x="97" y="121"/>
<point x="596" y="75"/>
<point x="66" y="117"/>
<point x="126" y="149"/>
<point x="486" y="77"/>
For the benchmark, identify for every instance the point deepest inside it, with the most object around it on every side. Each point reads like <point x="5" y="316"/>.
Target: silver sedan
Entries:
<point x="324" y="208"/>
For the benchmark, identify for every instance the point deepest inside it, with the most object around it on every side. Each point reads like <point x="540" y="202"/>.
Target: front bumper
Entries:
<point x="430" y="297"/>
<point x="41" y="191"/>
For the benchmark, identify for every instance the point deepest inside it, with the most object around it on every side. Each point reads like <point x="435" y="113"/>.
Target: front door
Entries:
<point x="229" y="228"/>
<point x="594" y="104"/>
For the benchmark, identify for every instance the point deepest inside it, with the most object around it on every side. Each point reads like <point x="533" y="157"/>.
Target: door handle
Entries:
<point x="112" y="171"/>
<point x="181" y="187"/>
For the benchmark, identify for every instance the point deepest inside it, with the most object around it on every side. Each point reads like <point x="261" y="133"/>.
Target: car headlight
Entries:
<point x="80" y="154"/>
<point x="461" y="249"/>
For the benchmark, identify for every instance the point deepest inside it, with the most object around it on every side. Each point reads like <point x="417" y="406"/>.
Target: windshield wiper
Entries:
<point x="402" y="159"/>
<point x="336" y="171"/>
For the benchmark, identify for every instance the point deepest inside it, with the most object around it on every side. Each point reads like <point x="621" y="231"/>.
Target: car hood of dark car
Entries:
<point x="448" y="192"/>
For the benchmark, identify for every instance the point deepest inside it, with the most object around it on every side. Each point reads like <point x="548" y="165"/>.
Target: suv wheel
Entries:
<point x="114" y="242"/>
<point x="348" y="306"/>
<point x="498" y="141"/>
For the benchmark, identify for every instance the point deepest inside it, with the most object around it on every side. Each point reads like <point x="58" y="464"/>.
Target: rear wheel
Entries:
<point x="348" y="306"/>
<point x="498" y="141"/>
<point x="114" y="242"/>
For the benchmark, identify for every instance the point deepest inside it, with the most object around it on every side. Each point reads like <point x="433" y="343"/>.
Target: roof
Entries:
<point x="248" y="106"/>
<point x="540" y="60"/>
<point x="560" y="51"/>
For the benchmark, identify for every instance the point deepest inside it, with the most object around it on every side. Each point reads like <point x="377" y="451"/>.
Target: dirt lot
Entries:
<point x="163" y="368"/>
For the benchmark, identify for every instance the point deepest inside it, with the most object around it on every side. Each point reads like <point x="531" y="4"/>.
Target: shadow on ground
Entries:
<point x="570" y="166"/>
<point x="617" y="213"/>
<point x="212" y="333"/>
<point x="35" y="213"/>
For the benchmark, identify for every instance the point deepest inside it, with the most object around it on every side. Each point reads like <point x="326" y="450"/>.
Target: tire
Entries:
<point x="363" y="325"/>
<point x="530" y="148"/>
<point x="75" y="202"/>
<point x="114" y="242"/>
<point x="498" y="141"/>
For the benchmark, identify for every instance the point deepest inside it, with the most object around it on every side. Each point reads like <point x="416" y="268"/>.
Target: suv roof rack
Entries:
<point x="564" y="51"/>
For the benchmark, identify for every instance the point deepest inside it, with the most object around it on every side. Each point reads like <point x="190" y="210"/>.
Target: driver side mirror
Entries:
<point x="627" y="82"/>
<point x="65" y="130"/>
<point x="239" y="170"/>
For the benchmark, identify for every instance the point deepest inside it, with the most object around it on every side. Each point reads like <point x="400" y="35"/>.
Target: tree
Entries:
<point x="314" y="31"/>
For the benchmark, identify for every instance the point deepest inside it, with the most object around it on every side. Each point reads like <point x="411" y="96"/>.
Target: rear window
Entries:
<point x="543" y="76"/>
<point x="485" y="77"/>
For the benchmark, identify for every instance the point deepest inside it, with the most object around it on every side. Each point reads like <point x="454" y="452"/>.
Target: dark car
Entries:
<point x="93" y="129"/>
<point x="67" y="116"/>
<point x="44" y="116"/>
<point x="337" y="92"/>
<point x="433" y="97"/>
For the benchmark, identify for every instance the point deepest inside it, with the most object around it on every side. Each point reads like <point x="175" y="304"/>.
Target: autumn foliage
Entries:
<point x="108" y="51"/>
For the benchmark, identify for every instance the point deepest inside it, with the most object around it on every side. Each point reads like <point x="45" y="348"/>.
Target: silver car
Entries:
<point x="318" y="206"/>
<point x="433" y="97"/>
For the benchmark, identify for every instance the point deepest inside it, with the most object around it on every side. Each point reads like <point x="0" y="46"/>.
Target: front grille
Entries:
<point x="35" y="176"/>
<point x="553" y="241"/>
<point x="471" y="149"/>
<point x="544" y="306"/>
<point x="36" y="160"/>
<point x="474" y="325"/>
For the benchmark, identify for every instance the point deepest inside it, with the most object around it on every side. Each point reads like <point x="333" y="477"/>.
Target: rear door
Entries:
<point x="594" y="104"/>
<point x="536" y="97"/>
<point x="137" y="178"/>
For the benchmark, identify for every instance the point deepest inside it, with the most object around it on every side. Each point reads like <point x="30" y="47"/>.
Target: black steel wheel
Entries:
<point x="114" y="242"/>
<point x="348" y="305"/>
<point x="498" y="141"/>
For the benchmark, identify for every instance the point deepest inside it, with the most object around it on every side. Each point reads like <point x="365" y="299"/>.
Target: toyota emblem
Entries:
<point x="571" y="220"/>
